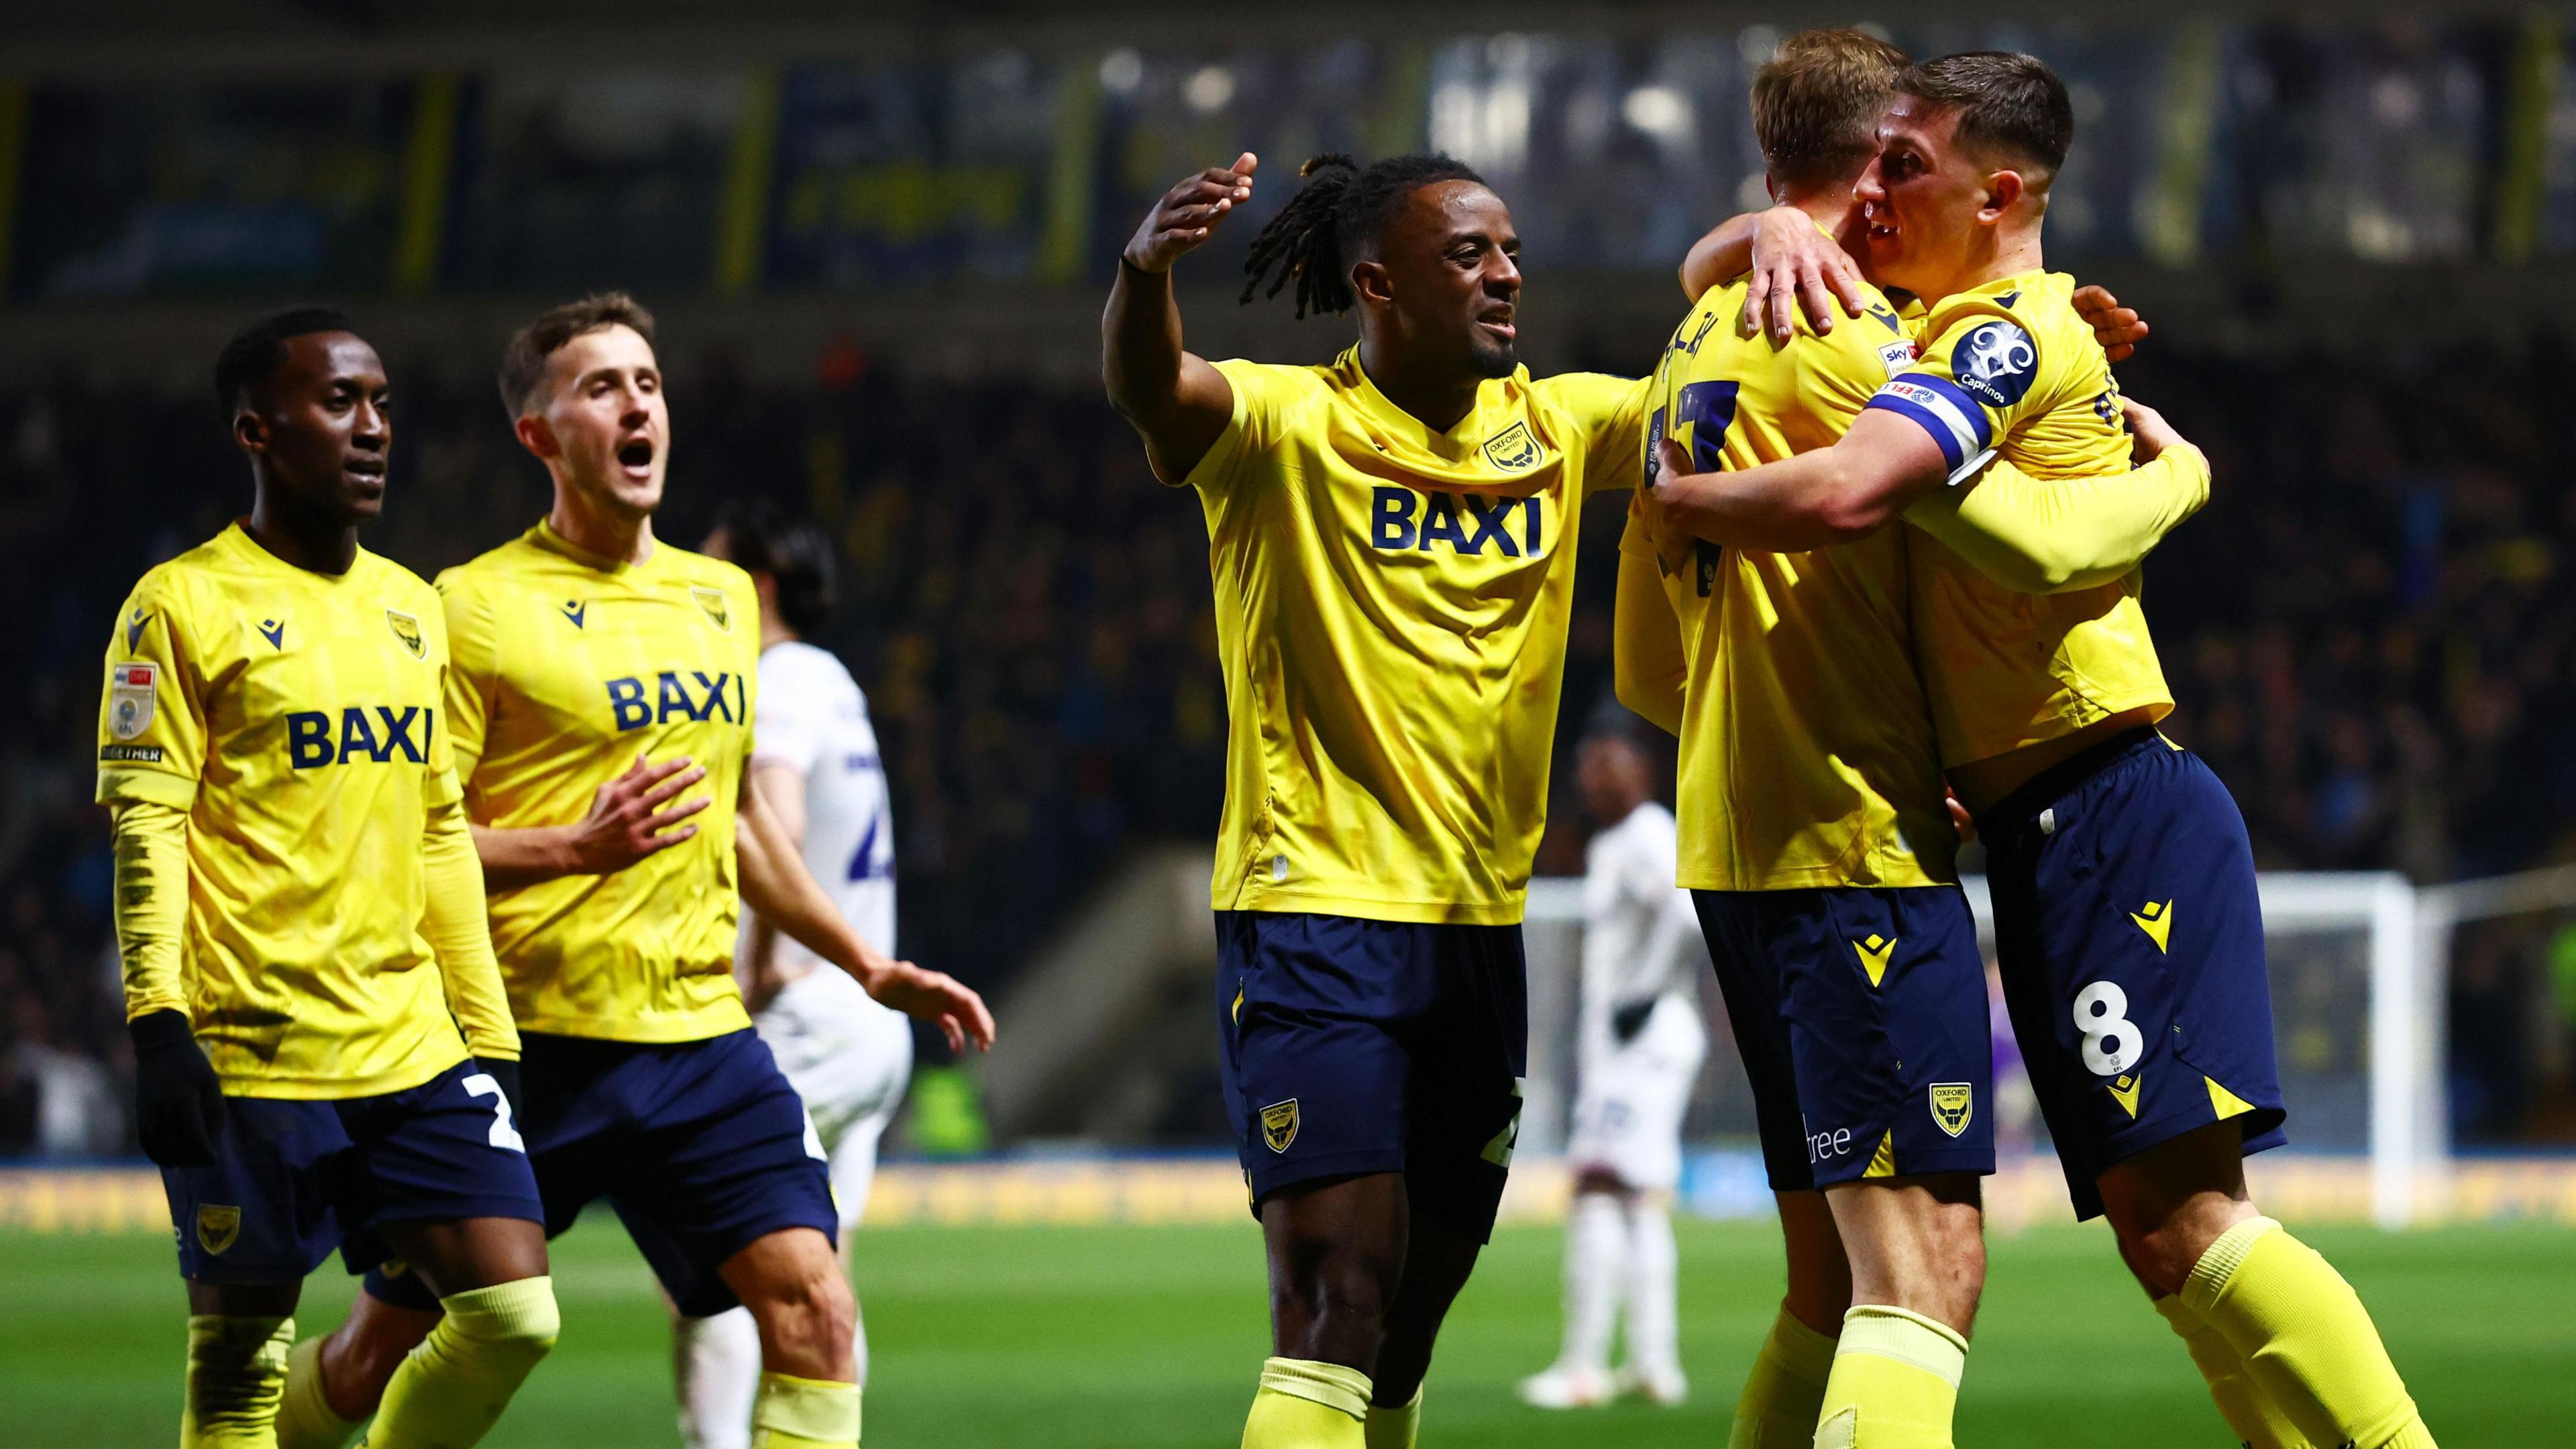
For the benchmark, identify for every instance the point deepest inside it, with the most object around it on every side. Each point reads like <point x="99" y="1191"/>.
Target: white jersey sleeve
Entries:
<point x="792" y="718"/>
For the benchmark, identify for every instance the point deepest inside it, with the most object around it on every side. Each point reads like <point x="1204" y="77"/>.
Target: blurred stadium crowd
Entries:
<point x="2369" y="630"/>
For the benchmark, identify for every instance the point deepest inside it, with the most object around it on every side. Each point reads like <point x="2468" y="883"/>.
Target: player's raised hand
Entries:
<point x="634" y="816"/>
<point x="1796" y="268"/>
<point x="2149" y="433"/>
<point x="2119" y="329"/>
<point x="934" y="996"/>
<point x="1189" y="213"/>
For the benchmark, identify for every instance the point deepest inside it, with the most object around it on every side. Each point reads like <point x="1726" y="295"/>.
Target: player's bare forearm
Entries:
<point x="1725" y="252"/>
<point x="781" y="789"/>
<point x="1817" y="499"/>
<point x="1172" y="397"/>
<point x="776" y="885"/>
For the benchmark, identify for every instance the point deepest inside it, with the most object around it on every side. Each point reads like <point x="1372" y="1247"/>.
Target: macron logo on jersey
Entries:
<point x="312" y="743"/>
<point x="1400" y="518"/>
<point x="709" y="700"/>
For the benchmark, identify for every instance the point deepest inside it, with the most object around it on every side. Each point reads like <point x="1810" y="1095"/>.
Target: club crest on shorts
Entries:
<point x="217" y="1226"/>
<point x="1954" y="1105"/>
<point x="407" y="629"/>
<point x="1279" y="1124"/>
<point x="713" y="602"/>
<point x="130" y="696"/>
<point x="1513" y="449"/>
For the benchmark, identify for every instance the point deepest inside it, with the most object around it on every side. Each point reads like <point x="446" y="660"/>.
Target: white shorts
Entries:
<point x="850" y="1059"/>
<point x="1628" y="1106"/>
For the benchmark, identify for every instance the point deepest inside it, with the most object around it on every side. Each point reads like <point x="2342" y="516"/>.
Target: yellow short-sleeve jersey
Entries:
<point x="2010" y="367"/>
<point x="1391" y="609"/>
<point x="296" y="718"/>
<point x="1807" y="754"/>
<point x="569" y="668"/>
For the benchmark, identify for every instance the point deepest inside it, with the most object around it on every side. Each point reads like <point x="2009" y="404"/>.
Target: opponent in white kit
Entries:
<point x="1639" y="1044"/>
<point x="815" y="764"/>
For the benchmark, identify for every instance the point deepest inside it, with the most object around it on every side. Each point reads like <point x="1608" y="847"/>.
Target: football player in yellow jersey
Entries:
<point x="585" y="649"/>
<point x="1815" y="838"/>
<point x="1393" y="540"/>
<point x="2128" y="925"/>
<point x="299" y="914"/>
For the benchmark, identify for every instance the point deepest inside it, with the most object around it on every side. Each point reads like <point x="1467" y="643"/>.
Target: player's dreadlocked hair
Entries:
<point x="1336" y="214"/>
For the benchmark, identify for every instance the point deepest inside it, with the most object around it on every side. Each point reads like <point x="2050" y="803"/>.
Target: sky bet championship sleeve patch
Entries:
<point x="131" y="694"/>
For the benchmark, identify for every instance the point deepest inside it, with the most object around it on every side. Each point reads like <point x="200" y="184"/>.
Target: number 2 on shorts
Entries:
<point x="503" y="1134"/>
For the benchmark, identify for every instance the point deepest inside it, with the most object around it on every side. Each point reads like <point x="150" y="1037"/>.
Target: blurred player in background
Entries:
<point x="585" y="649"/>
<point x="1393" y="542"/>
<point x="302" y="927"/>
<point x="2128" y="928"/>
<point x="1639" y="1041"/>
<point x="814" y="764"/>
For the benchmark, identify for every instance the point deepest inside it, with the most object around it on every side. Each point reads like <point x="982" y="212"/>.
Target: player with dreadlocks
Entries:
<point x="1393" y="540"/>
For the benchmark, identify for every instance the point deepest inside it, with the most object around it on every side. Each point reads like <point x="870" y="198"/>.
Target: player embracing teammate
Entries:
<point x="2128" y="927"/>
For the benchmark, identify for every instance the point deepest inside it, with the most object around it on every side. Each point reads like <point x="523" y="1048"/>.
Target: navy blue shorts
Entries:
<point x="1355" y="1046"/>
<point x="1861" y="1017"/>
<point x="701" y="1147"/>
<point x="2131" y="941"/>
<point x="291" y="1180"/>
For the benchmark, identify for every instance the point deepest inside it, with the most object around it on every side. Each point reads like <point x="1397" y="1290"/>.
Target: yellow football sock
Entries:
<point x="305" y="1419"/>
<point x="2305" y="1338"/>
<point x="794" y="1413"/>
<point x="236" y="1373"/>
<point x="1304" y="1404"/>
<point x="2257" y="1422"/>
<point x="1394" y="1427"/>
<point x="447" y="1393"/>
<point x="1784" y="1395"/>
<point x="1895" y="1382"/>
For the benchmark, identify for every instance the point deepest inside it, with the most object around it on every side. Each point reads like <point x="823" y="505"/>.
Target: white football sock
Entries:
<point x="1653" y="1330"/>
<point x="716" y="1368"/>
<point x="1596" y="1252"/>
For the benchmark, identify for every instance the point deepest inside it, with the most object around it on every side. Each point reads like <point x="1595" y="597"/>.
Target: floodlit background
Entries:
<point x="878" y="236"/>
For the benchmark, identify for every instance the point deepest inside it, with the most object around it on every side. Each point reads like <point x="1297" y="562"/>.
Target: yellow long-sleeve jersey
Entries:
<point x="2011" y="367"/>
<point x="293" y="720"/>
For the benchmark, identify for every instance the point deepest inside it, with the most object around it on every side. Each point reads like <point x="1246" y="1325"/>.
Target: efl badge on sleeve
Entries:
<point x="217" y="1226"/>
<point x="1954" y="1104"/>
<point x="713" y="602"/>
<point x="130" y="695"/>
<point x="1279" y="1124"/>
<point x="407" y="629"/>
<point x="1513" y="449"/>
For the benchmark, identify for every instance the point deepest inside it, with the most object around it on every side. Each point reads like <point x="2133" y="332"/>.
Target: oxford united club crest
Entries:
<point x="713" y="602"/>
<point x="1513" y="449"/>
<point x="1279" y="1124"/>
<point x="217" y="1226"/>
<point x="407" y="629"/>
<point x="1954" y="1104"/>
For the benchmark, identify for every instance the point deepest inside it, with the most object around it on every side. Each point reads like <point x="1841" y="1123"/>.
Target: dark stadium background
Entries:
<point x="878" y="236"/>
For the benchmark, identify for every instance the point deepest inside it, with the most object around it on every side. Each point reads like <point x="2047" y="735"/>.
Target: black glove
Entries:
<point x="507" y="1074"/>
<point x="178" y="1100"/>
<point x="1628" y="1020"/>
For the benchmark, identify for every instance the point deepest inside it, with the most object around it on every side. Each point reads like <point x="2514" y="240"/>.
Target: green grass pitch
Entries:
<point x="1142" y="1337"/>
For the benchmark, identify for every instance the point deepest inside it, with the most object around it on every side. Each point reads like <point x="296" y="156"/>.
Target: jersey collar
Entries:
<point x="236" y="537"/>
<point x="544" y="536"/>
<point x="1410" y="440"/>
